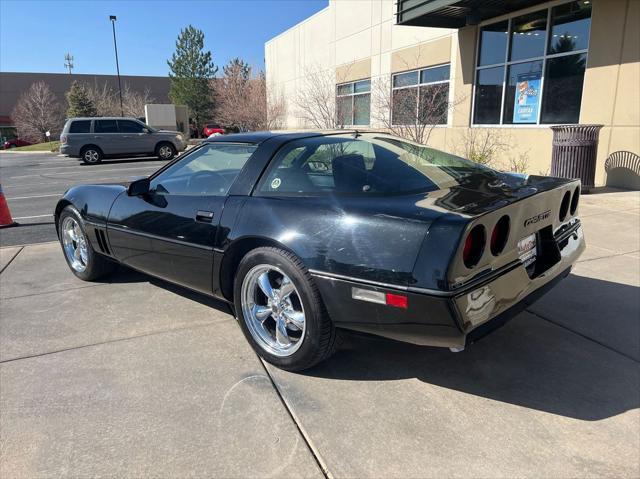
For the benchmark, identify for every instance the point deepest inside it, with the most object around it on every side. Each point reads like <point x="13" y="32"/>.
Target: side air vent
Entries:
<point x="102" y="242"/>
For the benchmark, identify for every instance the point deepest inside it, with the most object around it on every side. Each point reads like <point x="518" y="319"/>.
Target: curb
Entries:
<point x="29" y="152"/>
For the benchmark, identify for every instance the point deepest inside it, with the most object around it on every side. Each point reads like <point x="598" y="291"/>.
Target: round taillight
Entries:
<point x="499" y="235"/>
<point x="574" y="201"/>
<point x="564" y="207"/>
<point x="473" y="246"/>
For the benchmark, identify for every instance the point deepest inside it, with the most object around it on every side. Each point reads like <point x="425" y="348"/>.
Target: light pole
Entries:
<point x="115" y="46"/>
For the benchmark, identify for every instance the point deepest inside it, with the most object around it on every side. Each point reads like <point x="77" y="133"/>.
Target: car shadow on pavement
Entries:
<point x="127" y="275"/>
<point x="530" y="362"/>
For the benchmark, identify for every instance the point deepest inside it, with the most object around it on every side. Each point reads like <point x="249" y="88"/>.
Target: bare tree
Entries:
<point x="482" y="145"/>
<point x="316" y="99"/>
<point x="272" y="100"/>
<point x="37" y="112"/>
<point x="134" y="101"/>
<point x="244" y="102"/>
<point x="107" y="101"/>
<point x="414" y="112"/>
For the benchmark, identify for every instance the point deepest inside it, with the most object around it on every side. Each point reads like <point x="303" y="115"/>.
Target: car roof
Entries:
<point x="283" y="136"/>
<point x="102" y="118"/>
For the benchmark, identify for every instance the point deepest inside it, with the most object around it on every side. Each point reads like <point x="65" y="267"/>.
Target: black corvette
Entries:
<point x="304" y="233"/>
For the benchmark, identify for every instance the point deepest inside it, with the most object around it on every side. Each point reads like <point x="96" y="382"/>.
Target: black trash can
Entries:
<point x="575" y="148"/>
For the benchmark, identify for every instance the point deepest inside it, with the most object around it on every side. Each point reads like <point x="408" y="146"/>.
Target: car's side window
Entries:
<point x="80" y="126"/>
<point x="208" y="171"/>
<point x="322" y="166"/>
<point x="105" y="126"/>
<point x="129" y="126"/>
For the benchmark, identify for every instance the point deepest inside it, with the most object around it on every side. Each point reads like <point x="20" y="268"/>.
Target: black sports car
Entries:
<point x="303" y="233"/>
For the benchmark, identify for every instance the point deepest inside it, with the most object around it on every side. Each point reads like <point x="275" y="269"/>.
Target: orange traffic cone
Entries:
<point x="5" y="214"/>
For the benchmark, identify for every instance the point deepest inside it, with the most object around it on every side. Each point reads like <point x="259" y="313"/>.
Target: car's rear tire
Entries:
<point x="91" y="155"/>
<point x="290" y="327"/>
<point x="83" y="261"/>
<point x="166" y="151"/>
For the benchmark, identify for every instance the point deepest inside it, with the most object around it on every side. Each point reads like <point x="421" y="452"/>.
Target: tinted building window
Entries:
<point x="353" y="103"/>
<point x="543" y="76"/>
<point x="570" y="27"/>
<point x="493" y="43"/>
<point x="517" y="79"/>
<point x="421" y="96"/>
<point x="488" y="96"/>
<point x="80" y="126"/>
<point x="563" y="89"/>
<point x="528" y="35"/>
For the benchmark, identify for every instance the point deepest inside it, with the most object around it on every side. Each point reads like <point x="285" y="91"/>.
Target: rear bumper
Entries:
<point x="446" y="318"/>
<point x="68" y="150"/>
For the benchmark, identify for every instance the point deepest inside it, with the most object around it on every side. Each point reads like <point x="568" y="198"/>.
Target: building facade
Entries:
<point x="12" y="85"/>
<point x="500" y="73"/>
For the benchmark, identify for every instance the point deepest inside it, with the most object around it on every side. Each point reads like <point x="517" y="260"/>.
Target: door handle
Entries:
<point x="204" y="216"/>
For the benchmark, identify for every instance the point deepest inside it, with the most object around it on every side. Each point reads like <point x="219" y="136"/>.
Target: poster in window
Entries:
<point x="527" y="98"/>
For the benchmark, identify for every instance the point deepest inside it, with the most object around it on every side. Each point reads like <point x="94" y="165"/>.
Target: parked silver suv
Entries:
<point x="93" y="139"/>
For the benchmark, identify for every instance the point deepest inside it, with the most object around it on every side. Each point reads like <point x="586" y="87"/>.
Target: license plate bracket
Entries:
<point x="528" y="249"/>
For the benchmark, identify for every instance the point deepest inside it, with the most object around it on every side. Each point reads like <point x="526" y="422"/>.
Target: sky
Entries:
<point x="35" y="35"/>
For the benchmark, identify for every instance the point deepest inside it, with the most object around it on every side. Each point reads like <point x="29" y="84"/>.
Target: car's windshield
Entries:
<point x="150" y="128"/>
<point x="364" y="165"/>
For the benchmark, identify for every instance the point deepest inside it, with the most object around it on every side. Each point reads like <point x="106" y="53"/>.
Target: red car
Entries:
<point x="211" y="128"/>
<point x="14" y="143"/>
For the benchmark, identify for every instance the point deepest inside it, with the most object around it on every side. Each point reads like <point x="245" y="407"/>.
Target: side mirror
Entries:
<point x="139" y="187"/>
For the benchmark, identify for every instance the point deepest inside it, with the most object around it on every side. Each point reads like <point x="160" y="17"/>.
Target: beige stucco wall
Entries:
<point x="353" y="71"/>
<point x="423" y="55"/>
<point x="355" y="39"/>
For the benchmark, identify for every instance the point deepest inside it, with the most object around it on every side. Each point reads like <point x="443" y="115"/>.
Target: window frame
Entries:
<point x="417" y="86"/>
<point x="353" y="94"/>
<point x="506" y="64"/>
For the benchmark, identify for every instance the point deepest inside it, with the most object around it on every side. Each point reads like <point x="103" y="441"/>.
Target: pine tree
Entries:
<point x="192" y="70"/>
<point x="80" y="104"/>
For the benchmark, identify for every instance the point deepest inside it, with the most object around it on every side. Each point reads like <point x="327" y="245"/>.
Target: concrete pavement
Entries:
<point x="135" y="377"/>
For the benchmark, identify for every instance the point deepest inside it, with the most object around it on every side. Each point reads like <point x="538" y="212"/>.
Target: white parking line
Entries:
<point x="83" y="172"/>
<point x="71" y="181"/>
<point x="31" y="217"/>
<point x="29" y="197"/>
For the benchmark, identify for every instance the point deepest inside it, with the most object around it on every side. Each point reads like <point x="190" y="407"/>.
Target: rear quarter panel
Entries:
<point x="352" y="237"/>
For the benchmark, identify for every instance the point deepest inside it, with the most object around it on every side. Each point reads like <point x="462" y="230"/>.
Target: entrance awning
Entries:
<point x="455" y="13"/>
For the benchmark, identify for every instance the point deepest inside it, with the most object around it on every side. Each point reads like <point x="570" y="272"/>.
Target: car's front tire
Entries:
<point x="280" y="310"/>
<point x="91" y="155"/>
<point x="166" y="151"/>
<point x="83" y="261"/>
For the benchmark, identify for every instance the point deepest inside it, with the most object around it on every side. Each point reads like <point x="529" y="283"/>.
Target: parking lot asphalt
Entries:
<point x="133" y="377"/>
<point x="33" y="182"/>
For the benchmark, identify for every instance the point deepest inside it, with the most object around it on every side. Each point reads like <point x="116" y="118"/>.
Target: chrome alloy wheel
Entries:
<point x="91" y="156"/>
<point x="165" y="152"/>
<point x="273" y="310"/>
<point x="75" y="244"/>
